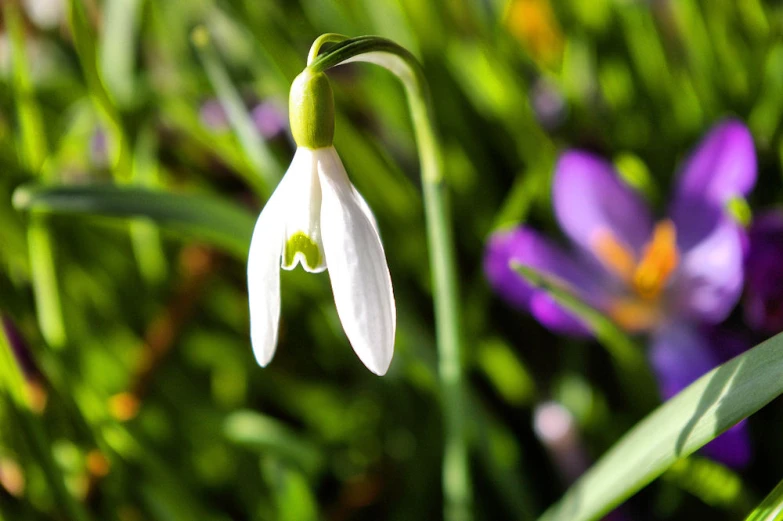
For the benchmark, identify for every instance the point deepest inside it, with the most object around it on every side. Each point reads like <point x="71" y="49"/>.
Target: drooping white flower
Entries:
<point x="317" y="218"/>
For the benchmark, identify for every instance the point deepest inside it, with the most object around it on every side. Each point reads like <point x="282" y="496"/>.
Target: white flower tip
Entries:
<point x="379" y="362"/>
<point x="264" y="346"/>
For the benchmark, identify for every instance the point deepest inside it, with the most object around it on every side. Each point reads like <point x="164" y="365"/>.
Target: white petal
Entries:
<point x="357" y="266"/>
<point x="365" y="208"/>
<point x="263" y="269"/>
<point x="302" y="244"/>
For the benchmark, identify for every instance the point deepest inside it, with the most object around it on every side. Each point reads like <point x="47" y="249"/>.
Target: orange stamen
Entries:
<point x="659" y="260"/>
<point x="633" y="314"/>
<point x="613" y="254"/>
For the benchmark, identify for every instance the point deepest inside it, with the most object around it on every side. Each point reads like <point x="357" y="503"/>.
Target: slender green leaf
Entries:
<point x="208" y="218"/>
<point x="270" y="436"/>
<point x="771" y="509"/>
<point x="117" y="51"/>
<point x="32" y="135"/>
<point x="40" y="245"/>
<point x="699" y="414"/>
<point x="144" y="234"/>
<point x="712" y="482"/>
<point x="254" y="146"/>
<point x="86" y="48"/>
<point x="631" y="364"/>
<point x="294" y="499"/>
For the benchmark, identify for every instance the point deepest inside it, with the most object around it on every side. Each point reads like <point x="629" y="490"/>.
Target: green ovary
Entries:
<point x="300" y="242"/>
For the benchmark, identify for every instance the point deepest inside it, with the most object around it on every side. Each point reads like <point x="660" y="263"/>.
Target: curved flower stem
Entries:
<point x="456" y="473"/>
<point x="320" y="41"/>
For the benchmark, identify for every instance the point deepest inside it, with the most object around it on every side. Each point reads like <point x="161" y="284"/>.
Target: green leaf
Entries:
<point x="711" y="482"/>
<point x="294" y="499"/>
<point x="631" y="364"/>
<point x="270" y="436"/>
<point x="253" y="144"/>
<point x="771" y="509"/>
<point x="208" y="218"/>
<point x="699" y="414"/>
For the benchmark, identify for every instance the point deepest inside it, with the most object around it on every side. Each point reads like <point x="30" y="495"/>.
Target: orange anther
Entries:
<point x="659" y="260"/>
<point x="613" y="254"/>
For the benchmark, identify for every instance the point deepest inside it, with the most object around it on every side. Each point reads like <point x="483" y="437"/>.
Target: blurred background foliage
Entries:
<point x="134" y="394"/>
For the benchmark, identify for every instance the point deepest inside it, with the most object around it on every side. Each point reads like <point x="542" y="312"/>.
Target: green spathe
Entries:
<point x="311" y="110"/>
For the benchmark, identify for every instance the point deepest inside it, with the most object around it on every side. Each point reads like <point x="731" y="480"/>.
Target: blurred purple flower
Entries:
<point x="763" y="301"/>
<point x="549" y="104"/>
<point x="667" y="279"/>
<point x="213" y="116"/>
<point x="268" y="117"/>
<point x="99" y="148"/>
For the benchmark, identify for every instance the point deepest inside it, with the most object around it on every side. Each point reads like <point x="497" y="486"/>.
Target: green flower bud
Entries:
<point x="311" y="110"/>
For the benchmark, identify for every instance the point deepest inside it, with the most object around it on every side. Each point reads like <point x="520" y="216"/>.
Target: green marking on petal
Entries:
<point x="300" y="242"/>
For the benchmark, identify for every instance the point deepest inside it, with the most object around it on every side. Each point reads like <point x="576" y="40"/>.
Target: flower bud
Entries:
<point x="311" y="110"/>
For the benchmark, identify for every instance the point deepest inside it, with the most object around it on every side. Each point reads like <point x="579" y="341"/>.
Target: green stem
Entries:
<point x="320" y="41"/>
<point x="456" y="473"/>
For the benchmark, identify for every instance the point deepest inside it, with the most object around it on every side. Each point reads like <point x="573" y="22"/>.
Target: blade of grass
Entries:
<point x="267" y="435"/>
<point x="687" y="422"/>
<point x="144" y="234"/>
<point x="33" y="137"/>
<point x="34" y="152"/>
<point x="118" y="47"/>
<point x="13" y="384"/>
<point x="254" y="146"/>
<point x="712" y="482"/>
<point x="771" y="508"/>
<point x="631" y="365"/>
<point x="85" y="42"/>
<point x="208" y="218"/>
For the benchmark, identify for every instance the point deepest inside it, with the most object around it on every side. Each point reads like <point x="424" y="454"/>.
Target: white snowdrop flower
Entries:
<point x="316" y="218"/>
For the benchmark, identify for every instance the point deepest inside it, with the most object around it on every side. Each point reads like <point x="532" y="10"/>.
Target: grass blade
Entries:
<point x="208" y="218"/>
<point x="701" y="412"/>
<point x="631" y="364"/>
<point x="771" y="509"/>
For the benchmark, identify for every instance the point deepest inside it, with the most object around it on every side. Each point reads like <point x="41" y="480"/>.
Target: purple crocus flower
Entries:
<point x="669" y="280"/>
<point x="763" y="301"/>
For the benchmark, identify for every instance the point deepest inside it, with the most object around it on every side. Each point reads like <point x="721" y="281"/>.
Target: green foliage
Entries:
<point x="126" y="210"/>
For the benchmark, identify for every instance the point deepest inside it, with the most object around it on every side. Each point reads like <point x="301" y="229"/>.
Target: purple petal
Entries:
<point x="732" y="447"/>
<point x="549" y="313"/>
<point x="528" y="248"/>
<point x="763" y="303"/>
<point x="590" y="198"/>
<point x="679" y="355"/>
<point x="708" y="281"/>
<point x="722" y="166"/>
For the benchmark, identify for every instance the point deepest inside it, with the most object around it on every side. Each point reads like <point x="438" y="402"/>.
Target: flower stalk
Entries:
<point x="455" y="474"/>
